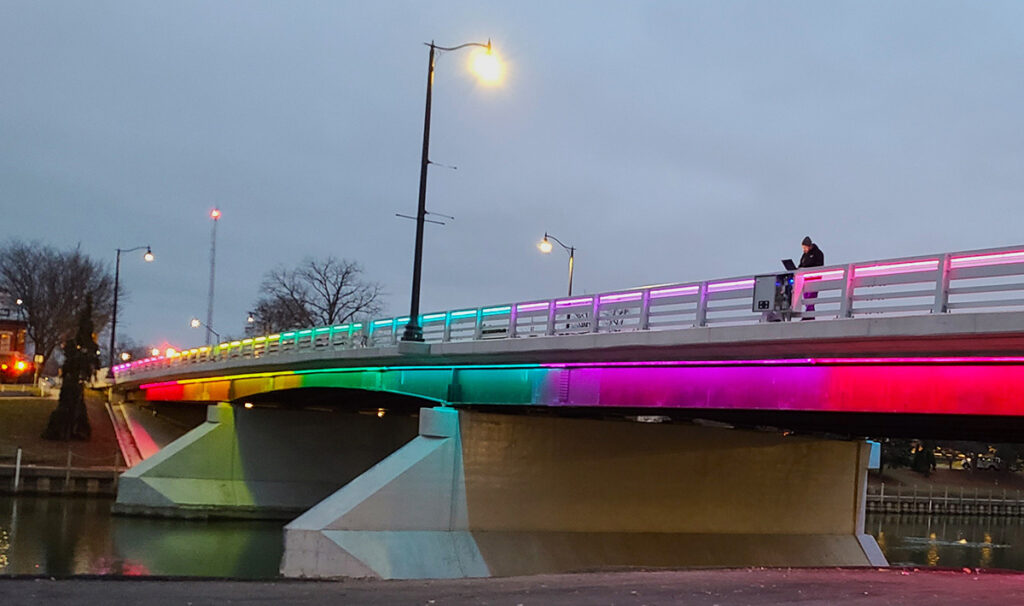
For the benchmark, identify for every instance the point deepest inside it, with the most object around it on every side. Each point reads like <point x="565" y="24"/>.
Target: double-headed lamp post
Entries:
<point x="545" y="247"/>
<point x="148" y="257"/>
<point x="488" y="70"/>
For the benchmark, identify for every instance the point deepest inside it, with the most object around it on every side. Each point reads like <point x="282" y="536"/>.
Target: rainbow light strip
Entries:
<point x="984" y="385"/>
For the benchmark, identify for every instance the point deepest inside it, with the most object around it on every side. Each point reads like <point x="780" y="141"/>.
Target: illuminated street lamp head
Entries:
<point x="125" y="356"/>
<point x="251" y="319"/>
<point x="486" y="65"/>
<point x="545" y="245"/>
<point x="215" y="214"/>
<point x="148" y="256"/>
<point x="154" y="352"/>
<point x="195" y="323"/>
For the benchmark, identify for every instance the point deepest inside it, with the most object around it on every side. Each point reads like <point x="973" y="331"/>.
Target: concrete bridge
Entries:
<point x="550" y="435"/>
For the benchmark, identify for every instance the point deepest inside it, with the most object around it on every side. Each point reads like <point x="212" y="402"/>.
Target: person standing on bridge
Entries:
<point x="812" y="257"/>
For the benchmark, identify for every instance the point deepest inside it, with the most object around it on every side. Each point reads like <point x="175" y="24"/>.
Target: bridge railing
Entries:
<point x="978" y="280"/>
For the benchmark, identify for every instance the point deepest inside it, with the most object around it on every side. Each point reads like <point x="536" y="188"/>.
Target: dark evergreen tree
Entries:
<point x="70" y="421"/>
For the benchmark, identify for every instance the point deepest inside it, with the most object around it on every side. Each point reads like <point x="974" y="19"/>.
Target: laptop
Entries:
<point x="788" y="264"/>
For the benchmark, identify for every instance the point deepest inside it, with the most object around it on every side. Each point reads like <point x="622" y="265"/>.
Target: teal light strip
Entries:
<point x="464" y="313"/>
<point x="491" y="311"/>
<point x="432" y="317"/>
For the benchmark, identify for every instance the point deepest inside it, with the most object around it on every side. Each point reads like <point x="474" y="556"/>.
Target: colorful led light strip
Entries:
<point x="896" y="268"/>
<point x="466" y="313"/>
<point x="532" y="306"/>
<point x="493" y="311"/>
<point x="626" y="296"/>
<point x="733" y="285"/>
<point x="832" y="274"/>
<point x="432" y="317"/>
<point x="677" y="291"/>
<point x="989" y="259"/>
<point x="574" y="302"/>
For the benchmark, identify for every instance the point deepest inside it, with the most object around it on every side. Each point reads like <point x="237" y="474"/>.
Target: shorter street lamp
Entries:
<point x="195" y="323"/>
<point x="148" y="258"/>
<point x="545" y="247"/>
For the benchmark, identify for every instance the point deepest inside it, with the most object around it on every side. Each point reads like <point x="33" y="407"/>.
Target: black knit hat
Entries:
<point x="807" y="241"/>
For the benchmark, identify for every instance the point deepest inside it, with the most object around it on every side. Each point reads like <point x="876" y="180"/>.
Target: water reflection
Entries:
<point x="80" y="536"/>
<point x="950" y="541"/>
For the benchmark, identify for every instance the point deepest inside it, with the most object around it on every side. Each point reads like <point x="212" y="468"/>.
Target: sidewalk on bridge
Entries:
<point x="754" y="587"/>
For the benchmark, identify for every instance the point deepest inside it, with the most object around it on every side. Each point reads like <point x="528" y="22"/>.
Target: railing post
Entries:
<point x="849" y="285"/>
<point x="942" y="286"/>
<point x="551" y="317"/>
<point x="513" y="318"/>
<point x="702" y="305"/>
<point x="478" y="330"/>
<point x="447" y="327"/>
<point x="595" y="314"/>
<point x="645" y="310"/>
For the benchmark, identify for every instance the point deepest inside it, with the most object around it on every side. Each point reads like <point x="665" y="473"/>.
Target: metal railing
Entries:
<point x="978" y="280"/>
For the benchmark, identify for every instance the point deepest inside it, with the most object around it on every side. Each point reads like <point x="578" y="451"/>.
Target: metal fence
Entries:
<point x="972" y="501"/>
<point x="989" y="280"/>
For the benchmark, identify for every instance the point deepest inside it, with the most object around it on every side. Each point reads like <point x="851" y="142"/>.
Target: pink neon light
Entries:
<point x="734" y="285"/>
<point x="834" y="274"/>
<point x="626" y="296"/>
<point x="896" y="268"/>
<point x="677" y="291"/>
<point x="574" y="302"/>
<point x="990" y="259"/>
<point x="800" y="362"/>
<point x="532" y="306"/>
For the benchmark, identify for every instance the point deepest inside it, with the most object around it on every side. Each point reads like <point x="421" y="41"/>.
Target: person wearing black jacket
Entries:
<point x="812" y="257"/>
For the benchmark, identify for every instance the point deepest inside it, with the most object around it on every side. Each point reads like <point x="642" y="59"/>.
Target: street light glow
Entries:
<point x="154" y="352"/>
<point x="125" y="356"/>
<point x="148" y="256"/>
<point x="544" y="246"/>
<point x="215" y="214"/>
<point x="195" y="323"/>
<point x="486" y="66"/>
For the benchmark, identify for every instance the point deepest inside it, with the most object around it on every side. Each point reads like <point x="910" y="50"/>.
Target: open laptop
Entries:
<point x="788" y="264"/>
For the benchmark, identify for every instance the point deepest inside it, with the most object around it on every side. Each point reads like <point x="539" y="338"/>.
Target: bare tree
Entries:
<point x="319" y="292"/>
<point x="54" y="286"/>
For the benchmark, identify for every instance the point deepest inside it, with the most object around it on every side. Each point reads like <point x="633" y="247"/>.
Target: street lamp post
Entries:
<point x="195" y="323"/>
<point x="488" y="69"/>
<point x="148" y="257"/>
<point x="545" y="247"/>
<point x="215" y="215"/>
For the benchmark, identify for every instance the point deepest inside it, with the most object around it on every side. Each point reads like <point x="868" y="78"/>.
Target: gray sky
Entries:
<point x="668" y="141"/>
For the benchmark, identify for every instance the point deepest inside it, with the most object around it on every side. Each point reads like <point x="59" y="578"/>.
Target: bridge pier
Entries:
<point x="259" y="462"/>
<point x="479" y="494"/>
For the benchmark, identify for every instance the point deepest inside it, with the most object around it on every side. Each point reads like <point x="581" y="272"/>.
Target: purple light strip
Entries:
<point x="626" y="296"/>
<point x="733" y="285"/>
<point x="800" y="362"/>
<point x="532" y="306"/>
<point x="832" y="274"/>
<point x="896" y="268"/>
<point x="675" y="291"/>
<point x="989" y="259"/>
<point x="574" y="302"/>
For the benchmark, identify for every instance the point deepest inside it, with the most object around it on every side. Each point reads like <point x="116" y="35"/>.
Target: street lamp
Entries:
<point x="148" y="258"/>
<point x="488" y="69"/>
<point x="215" y="215"/>
<point x="195" y="323"/>
<point x="545" y="247"/>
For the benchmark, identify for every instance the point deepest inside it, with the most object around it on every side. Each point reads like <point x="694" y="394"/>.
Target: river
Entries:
<point x="79" y="536"/>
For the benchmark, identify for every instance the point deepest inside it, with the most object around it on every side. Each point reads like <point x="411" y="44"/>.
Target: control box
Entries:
<point x="773" y="293"/>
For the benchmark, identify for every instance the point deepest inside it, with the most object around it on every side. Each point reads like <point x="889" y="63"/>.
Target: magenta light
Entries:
<point x="574" y="302"/>
<point x="677" y="291"/>
<point x="626" y="296"/>
<point x="734" y="285"/>
<point x="532" y="306"/>
<point x="832" y="274"/>
<point x="989" y="259"/>
<point x="896" y="268"/>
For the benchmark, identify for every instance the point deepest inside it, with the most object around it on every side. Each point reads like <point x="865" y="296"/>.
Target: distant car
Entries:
<point x="987" y="462"/>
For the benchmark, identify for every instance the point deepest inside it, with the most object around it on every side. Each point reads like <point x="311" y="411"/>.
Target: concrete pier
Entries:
<point x="479" y="494"/>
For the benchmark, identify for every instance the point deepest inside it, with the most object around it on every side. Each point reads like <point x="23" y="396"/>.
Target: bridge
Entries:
<point x="555" y="428"/>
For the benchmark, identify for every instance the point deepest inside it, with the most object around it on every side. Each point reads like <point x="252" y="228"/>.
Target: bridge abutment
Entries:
<point x="259" y="462"/>
<point x="479" y="494"/>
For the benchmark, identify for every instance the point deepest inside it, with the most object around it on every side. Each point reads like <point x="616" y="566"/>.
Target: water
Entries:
<point x="949" y="541"/>
<point x="74" y="536"/>
<point x="69" y="536"/>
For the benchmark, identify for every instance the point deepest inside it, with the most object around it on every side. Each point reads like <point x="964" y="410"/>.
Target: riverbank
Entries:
<point x="754" y="587"/>
<point x="48" y="467"/>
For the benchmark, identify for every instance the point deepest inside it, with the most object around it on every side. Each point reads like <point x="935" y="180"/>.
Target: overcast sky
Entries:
<point x="668" y="141"/>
